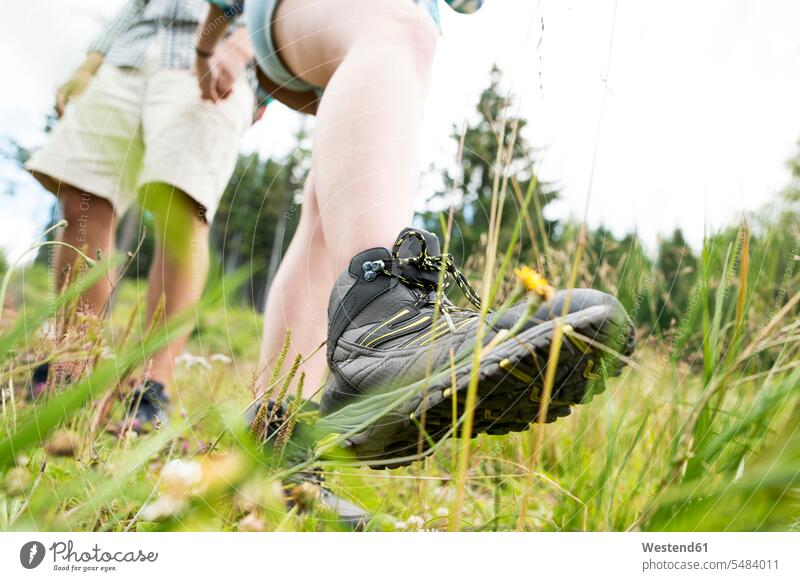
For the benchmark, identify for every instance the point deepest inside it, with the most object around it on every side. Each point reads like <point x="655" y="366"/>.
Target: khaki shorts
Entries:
<point x="132" y="127"/>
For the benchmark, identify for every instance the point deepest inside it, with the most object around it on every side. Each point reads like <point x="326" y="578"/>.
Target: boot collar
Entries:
<point x="368" y="284"/>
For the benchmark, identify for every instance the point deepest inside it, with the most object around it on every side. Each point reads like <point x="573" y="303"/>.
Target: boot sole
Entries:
<point x="510" y="386"/>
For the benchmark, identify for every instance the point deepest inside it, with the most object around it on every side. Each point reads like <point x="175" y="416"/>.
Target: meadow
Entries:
<point x="700" y="432"/>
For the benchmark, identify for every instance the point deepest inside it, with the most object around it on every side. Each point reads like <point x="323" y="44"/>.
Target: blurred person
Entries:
<point x="134" y="128"/>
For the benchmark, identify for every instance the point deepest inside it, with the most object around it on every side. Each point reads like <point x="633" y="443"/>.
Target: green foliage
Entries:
<point x="258" y="215"/>
<point x="677" y="265"/>
<point x="256" y="218"/>
<point x="136" y="235"/>
<point x="492" y="130"/>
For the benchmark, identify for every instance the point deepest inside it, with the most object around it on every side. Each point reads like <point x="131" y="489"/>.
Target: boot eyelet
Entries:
<point x="371" y="269"/>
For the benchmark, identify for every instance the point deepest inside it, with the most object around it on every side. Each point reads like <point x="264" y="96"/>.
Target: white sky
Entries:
<point x="701" y="114"/>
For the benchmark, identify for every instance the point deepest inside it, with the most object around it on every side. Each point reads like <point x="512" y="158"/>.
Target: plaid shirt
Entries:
<point x="173" y="23"/>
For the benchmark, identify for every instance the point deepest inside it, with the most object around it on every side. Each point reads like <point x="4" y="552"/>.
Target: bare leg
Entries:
<point x="373" y="57"/>
<point x="298" y="298"/>
<point x="180" y="265"/>
<point x="91" y="221"/>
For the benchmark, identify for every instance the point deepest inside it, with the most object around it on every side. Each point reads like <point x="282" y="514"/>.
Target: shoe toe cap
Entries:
<point x="579" y="299"/>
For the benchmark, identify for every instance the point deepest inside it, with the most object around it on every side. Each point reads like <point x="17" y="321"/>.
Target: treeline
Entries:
<point x="661" y="286"/>
<point x="668" y="289"/>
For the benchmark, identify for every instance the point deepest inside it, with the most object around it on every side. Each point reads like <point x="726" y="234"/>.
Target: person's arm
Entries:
<point x="208" y="73"/>
<point x="95" y="54"/>
<point x="78" y="81"/>
<point x="231" y="60"/>
<point x="209" y="34"/>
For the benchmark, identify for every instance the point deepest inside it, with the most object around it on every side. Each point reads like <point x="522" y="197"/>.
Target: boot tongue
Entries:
<point x="409" y="246"/>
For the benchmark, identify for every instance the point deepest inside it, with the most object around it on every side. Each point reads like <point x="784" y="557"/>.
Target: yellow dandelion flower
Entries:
<point x="534" y="282"/>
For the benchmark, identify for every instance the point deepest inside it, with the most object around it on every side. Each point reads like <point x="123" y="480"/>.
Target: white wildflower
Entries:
<point x="189" y="361"/>
<point x="415" y="521"/>
<point x="17" y="481"/>
<point x="442" y="511"/>
<point x="107" y="353"/>
<point x="162" y="508"/>
<point x="180" y="477"/>
<point x="221" y="358"/>
<point x="252" y="524"/>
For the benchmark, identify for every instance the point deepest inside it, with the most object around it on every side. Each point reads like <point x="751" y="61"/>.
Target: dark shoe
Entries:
<point x="390" y="363"/>
<point x="148" y="408"/>
<point x="46" y="376"/>
<point x="305" y="488"/>
<point x="38" y="383"/>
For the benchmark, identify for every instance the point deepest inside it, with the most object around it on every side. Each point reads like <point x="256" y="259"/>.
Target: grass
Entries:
<point x="700" y="434"/>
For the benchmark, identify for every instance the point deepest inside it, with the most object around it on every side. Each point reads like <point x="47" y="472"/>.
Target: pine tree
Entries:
<point x="470" y="186"/>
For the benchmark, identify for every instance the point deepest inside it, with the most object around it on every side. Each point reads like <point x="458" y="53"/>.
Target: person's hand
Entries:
<point x="206" y="78"/>
<point x="73" y="87"/>
<point x="218" y="74"/>
<point x="79" y="81"/>
<point x="231" y="63"/>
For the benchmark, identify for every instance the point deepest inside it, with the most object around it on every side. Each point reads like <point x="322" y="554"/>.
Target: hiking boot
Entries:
<point x="305" y="488"/>
<point x="147" y="409"/>
<point x="392" y="387"/>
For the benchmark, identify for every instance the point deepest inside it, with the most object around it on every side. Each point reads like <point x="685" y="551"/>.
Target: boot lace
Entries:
<point x="439" y="263"/>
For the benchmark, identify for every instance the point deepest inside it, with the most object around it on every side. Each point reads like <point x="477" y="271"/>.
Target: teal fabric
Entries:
<point x="463" y="6"/>
<point x="258" y="15"/>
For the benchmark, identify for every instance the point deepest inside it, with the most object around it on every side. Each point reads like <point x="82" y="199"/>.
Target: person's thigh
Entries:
<point x="192" y="144"/>
<point x="313" y="36"/>
<point x="96" y="147"/>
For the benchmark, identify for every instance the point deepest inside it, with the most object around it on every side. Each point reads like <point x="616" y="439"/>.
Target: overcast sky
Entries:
<point x="702" y="101"/>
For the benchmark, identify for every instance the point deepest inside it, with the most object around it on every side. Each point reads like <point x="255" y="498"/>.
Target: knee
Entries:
<point x="170" y="205"/>
<point x="72" y="206"/>
<point x="81" y="207"/>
